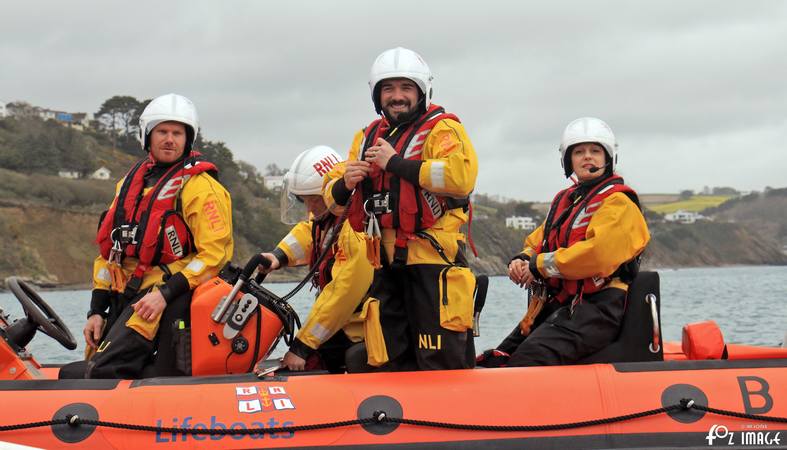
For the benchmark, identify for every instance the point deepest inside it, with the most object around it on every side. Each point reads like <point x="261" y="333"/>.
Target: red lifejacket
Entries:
<point x="412" y="209"/>
<point x="149" y="225"/>
<point x="567" y="223"/>
<point x="320" y="231"/>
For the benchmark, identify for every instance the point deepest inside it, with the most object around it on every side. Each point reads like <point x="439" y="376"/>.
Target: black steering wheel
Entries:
<point x="38" y="315"/>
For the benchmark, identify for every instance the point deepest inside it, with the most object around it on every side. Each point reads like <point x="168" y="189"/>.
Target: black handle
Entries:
<point x="251" y="266"/>
<point x="481" y="286"/>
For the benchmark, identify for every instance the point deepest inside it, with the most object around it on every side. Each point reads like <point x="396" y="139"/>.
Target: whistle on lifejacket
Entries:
<point x="537" y="297"/>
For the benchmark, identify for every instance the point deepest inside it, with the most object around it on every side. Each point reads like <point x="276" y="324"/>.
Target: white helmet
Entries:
<point x="400" y="63"/>
<point x="169" y="107"/>
<point x="588" y="129"/>
<point x="305" y="178"/>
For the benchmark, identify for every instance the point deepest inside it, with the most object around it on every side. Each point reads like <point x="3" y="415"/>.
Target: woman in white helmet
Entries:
<point x="342" y="277"/>
<point x="580" y="260"/>
<point x="168" y="229"/>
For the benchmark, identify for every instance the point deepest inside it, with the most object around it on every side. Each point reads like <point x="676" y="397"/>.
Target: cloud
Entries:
<point x="681" y="83"/>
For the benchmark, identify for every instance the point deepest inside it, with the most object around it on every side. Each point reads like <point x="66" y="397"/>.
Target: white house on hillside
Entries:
<point x="521" y="223"/>
<point x="681" y="216"/>
<point x="101" y="173"/>
<point x="3" y="111"/>
<point x="72" y="174"/>
<point x="274" y="182"/>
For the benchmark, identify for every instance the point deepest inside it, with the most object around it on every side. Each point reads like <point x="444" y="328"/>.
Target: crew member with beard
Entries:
<point x="168" y="229"/>
<point x="407" y="183"/>
<point x="580" y="261"/>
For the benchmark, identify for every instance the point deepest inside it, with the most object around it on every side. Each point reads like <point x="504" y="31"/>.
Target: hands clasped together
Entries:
<point x="519" y="273"/>
<point x="379" y="154"/>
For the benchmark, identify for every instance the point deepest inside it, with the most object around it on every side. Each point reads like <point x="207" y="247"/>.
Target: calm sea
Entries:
<point x="748" y="303"/>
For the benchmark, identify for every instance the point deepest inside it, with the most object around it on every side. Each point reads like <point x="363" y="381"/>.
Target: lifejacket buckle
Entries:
<point x="125" y="234"/>
<point x="379" y="202"/>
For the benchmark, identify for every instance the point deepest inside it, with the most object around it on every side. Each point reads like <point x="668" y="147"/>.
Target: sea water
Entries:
<point x="748" y="303"/>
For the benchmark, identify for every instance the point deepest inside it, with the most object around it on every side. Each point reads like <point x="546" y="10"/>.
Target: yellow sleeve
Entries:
<point x="351" y="277"/>
<point x="337" y="172"/>
<point x="450" y="164"/>
<point x="297" y="245"/>
<point x="617" y="233"/>
<point x="533" y="240"/>
<point x="207" y="209"/>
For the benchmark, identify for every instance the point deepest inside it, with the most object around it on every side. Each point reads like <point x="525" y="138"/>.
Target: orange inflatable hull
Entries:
<point x="506" y="396"/>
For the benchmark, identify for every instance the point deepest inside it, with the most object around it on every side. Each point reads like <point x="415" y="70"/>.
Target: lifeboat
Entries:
<point x="698" y="393"/>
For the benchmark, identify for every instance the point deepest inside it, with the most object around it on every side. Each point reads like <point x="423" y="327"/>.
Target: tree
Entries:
<point x="21" y="109"/>
<point x="138" y="112"/>
<point x="524" y="209"/>
<point x="116" y="115"/>
<point x="724" y="190"/>
<point x="273" y="170"/>
<point x="686" y="194"/>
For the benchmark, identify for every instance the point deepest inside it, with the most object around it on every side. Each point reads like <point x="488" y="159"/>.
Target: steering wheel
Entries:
<point x="39" y="314"/>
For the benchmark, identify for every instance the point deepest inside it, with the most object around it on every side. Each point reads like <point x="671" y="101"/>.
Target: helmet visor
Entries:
<point x="293" y="210"/>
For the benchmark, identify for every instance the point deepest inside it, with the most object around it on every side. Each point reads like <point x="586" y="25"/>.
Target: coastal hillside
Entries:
<point x="48" y="218"/>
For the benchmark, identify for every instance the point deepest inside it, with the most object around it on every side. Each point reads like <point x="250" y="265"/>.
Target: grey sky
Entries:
<point x="696" y="91"/>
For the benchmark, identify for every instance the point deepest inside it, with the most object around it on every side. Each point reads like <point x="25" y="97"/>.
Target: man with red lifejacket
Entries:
<point x="406" y="183"/>
<point x="168" y="229"/>
<point x="342" y="275"/>
<point x="579" y="262"/>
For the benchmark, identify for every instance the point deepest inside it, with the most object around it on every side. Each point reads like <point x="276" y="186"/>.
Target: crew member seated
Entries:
<point x="579" y="262"/>
<point x="342" y="276"/>
<point x="168" y="229"/>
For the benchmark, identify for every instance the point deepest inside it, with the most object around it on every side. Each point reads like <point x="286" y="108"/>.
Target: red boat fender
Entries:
<point x="703" y="340"/>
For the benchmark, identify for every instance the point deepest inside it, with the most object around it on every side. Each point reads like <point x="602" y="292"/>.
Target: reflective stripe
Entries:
<point x="416" y="145"/>
<point x="583" y="216"/>
<point x="320" y="332"/>
<point x="103" y="275"/>
<point x="295" y="247"/>
<point x="605" y="189"/>
<point x="550" y="266"/>
<point x="437" y="174"/>
<point x="196" y="265"/>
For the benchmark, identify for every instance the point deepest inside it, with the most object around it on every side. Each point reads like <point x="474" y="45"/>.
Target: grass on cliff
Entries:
<point x="696" y="203"/>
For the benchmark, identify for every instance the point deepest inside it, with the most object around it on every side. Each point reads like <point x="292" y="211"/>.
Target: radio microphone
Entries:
<point x="596" y="169"/>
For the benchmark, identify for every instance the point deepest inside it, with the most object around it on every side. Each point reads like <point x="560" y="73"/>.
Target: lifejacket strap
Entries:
<point x="132" y="286"/>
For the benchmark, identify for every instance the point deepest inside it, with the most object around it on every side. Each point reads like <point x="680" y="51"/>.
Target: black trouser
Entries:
<point x="410" y="318"/>
<point x="117" y="304"/>
<point x="332" y="351"/>
<point x="565" y="337"/>
<point x="127" y="354"/>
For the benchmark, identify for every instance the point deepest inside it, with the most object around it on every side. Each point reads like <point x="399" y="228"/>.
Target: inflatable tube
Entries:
<point x="483" y="397"/>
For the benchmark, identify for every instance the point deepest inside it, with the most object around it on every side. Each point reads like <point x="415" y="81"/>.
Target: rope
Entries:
<point x="381" y="417"/>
